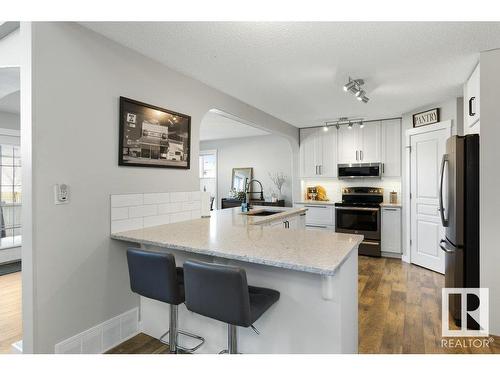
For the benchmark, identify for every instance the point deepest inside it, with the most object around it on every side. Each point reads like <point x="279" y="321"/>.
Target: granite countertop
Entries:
<point x="330" y="203"/>
<point x="390" y="205"/>
<point x="281" y="213"/>
<point x="232" y="235"/>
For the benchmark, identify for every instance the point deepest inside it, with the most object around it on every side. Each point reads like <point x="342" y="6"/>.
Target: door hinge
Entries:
<point x="410" y="196"/>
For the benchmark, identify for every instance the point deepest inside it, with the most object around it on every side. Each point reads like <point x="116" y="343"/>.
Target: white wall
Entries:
<point x="489" y="181"/>
<point x="9" y="121"/>
<point x="268" y="153"/>
<point x="451" y="109"/>
<point x="80" y="274"/>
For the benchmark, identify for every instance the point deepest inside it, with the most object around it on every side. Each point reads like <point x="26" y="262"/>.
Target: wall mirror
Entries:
<point x="240" y="178"/>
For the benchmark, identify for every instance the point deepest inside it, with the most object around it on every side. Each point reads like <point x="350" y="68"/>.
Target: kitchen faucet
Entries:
<point x="247" y="193"/>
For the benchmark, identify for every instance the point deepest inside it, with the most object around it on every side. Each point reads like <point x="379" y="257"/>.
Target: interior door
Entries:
<point x="427" y="150"/>
<point x="369" y="143"/>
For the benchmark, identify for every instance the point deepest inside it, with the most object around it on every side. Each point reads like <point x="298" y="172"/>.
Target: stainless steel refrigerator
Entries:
<point x="459" y="209"/>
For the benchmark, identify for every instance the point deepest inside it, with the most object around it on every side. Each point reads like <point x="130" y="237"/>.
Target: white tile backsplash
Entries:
<point x="137" y="211"/>
<point x="143" y="211"/>
<point x="126" y="200"/>
<point x="152" y="221"/>
<point x="179" y="197"/>
<point x="169" y="208"/>
<point x="119" y="213"/>
<point x="156" y="198"/>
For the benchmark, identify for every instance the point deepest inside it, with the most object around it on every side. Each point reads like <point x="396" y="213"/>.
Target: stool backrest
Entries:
<point x="154" y="275"/>
<point x="217" y="291"/>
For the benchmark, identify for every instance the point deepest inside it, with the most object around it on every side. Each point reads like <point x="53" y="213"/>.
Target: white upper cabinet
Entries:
<point x="472" y="102"/>
<point x="359" y="144"/>
<point x="318" y="155"/>
<point x="391" y="148"/>
<point x="369" y="145"/>
<point x="347" y="145"/>
<point x="308" y="152"/>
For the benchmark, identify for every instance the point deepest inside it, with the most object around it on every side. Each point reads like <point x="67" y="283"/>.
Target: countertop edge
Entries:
<point x="284" y="265"/>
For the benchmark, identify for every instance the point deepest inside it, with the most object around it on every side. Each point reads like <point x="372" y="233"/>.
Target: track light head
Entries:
<point x="349" y="126"/>
<point x="365" y="99"/>
<point x="349" y="85"/>
<point x="325" y="128"/>
<point x="361" y="125"/>
<point x="360" y="95"/>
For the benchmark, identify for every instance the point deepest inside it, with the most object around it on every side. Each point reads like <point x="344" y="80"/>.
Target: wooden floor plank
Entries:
<point x="11" y="329"/>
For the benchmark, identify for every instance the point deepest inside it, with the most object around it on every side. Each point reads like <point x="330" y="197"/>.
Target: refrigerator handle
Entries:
<point x="444" y="221"/>
<point x="444" y="248"/>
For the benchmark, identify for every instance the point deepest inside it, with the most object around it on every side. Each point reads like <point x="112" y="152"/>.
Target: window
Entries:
<point x="10" y="195"/>
<point x="208" y="163"/>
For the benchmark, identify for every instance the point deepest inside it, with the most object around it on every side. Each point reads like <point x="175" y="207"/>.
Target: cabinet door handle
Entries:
<point x="361" y="155"/>
<point x="471" y="101"/>
<point x="320" y="169"/>
<point x="383" y="168"/>
<point x="356" y="155"/>
<point x="389" y="209"/>
<point x="316" y="206"/>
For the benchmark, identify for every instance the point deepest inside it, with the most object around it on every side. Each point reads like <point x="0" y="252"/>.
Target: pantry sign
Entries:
<point x="426" y="118"/>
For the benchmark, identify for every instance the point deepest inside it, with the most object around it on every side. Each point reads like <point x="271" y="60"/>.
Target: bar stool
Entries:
<point x="155" y="276"/>
<point x="221" y="292"/>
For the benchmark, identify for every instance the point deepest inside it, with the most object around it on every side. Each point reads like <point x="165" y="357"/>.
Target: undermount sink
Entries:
<point x="261" y="213"/>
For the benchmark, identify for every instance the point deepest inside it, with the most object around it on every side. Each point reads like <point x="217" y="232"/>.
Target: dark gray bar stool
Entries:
<point x="221" y="292"/>
<point x="155" y="276"/>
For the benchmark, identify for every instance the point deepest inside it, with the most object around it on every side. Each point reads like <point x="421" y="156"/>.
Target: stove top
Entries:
<point x="361" y="196"/>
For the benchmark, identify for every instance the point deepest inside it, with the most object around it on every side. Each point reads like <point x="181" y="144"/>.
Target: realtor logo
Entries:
<point x="473" y="304"/>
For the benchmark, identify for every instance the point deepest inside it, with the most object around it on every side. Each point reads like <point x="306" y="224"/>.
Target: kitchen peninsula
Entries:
<point x="315" y="272"/>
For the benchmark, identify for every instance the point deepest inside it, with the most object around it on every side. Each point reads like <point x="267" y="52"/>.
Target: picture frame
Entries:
<point x="151" y="136"/>
<point x="428" y="117"/>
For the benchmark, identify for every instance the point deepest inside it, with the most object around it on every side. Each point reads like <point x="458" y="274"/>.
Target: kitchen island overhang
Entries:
<point x="315" y="272"/>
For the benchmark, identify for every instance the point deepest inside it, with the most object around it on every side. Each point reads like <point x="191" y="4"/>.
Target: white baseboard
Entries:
<point x="17" y="347"/>
<point x="103" y="336"/>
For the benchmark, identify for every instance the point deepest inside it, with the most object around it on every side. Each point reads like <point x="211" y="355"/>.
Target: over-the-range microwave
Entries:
<point x="360" y="170"/>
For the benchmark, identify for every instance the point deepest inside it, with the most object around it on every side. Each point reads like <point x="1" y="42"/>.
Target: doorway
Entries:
<point x="427" y="145"/>
<point x="10" y="210"/>
<point x="208" y="175"/>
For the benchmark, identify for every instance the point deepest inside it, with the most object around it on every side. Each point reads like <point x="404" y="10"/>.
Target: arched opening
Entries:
<point x="234" y="153"/>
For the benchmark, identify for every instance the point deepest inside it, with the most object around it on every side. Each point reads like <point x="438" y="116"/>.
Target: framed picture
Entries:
<point x="151" y="136"/>
<point x="426" y="118"/>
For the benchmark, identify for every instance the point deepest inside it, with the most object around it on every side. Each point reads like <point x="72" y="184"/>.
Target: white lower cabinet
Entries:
<point x="319" y="216"/>
<point x="294" y="222"/>
<point x="391" y="230"/>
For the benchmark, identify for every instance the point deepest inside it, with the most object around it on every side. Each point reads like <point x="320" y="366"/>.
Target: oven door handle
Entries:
<point x="357" y="208"/>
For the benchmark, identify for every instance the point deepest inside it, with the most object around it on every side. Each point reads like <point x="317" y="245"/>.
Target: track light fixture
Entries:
<point x="354" y="87"/>
<point x="361" y="125"/>
<point x="349" y="126"/>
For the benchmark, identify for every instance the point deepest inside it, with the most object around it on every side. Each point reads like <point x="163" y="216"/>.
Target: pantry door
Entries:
<point x="428" y="145"/>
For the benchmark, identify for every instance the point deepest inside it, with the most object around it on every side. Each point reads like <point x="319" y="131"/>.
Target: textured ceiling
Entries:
<point x="295" y="71"/>
<point x="215" y="126"/>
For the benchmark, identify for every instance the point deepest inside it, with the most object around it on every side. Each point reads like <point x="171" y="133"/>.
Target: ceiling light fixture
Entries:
<point x="325" y="128"/>
<point x="354" y="87"/>
<point x="349" y="126"/>
<point x="361" y="125"/>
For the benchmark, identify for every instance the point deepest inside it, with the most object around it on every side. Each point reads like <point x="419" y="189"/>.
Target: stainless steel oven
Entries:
<point x="359" y="213"/>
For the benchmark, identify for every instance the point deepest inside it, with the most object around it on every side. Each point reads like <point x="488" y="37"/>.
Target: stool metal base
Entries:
<point x="232" y="340"/>
<point x="173" y="334"/>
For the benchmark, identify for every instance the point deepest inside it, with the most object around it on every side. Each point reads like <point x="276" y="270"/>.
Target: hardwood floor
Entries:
<point x="10" y="311"/>
<point x="399" y="312"/>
